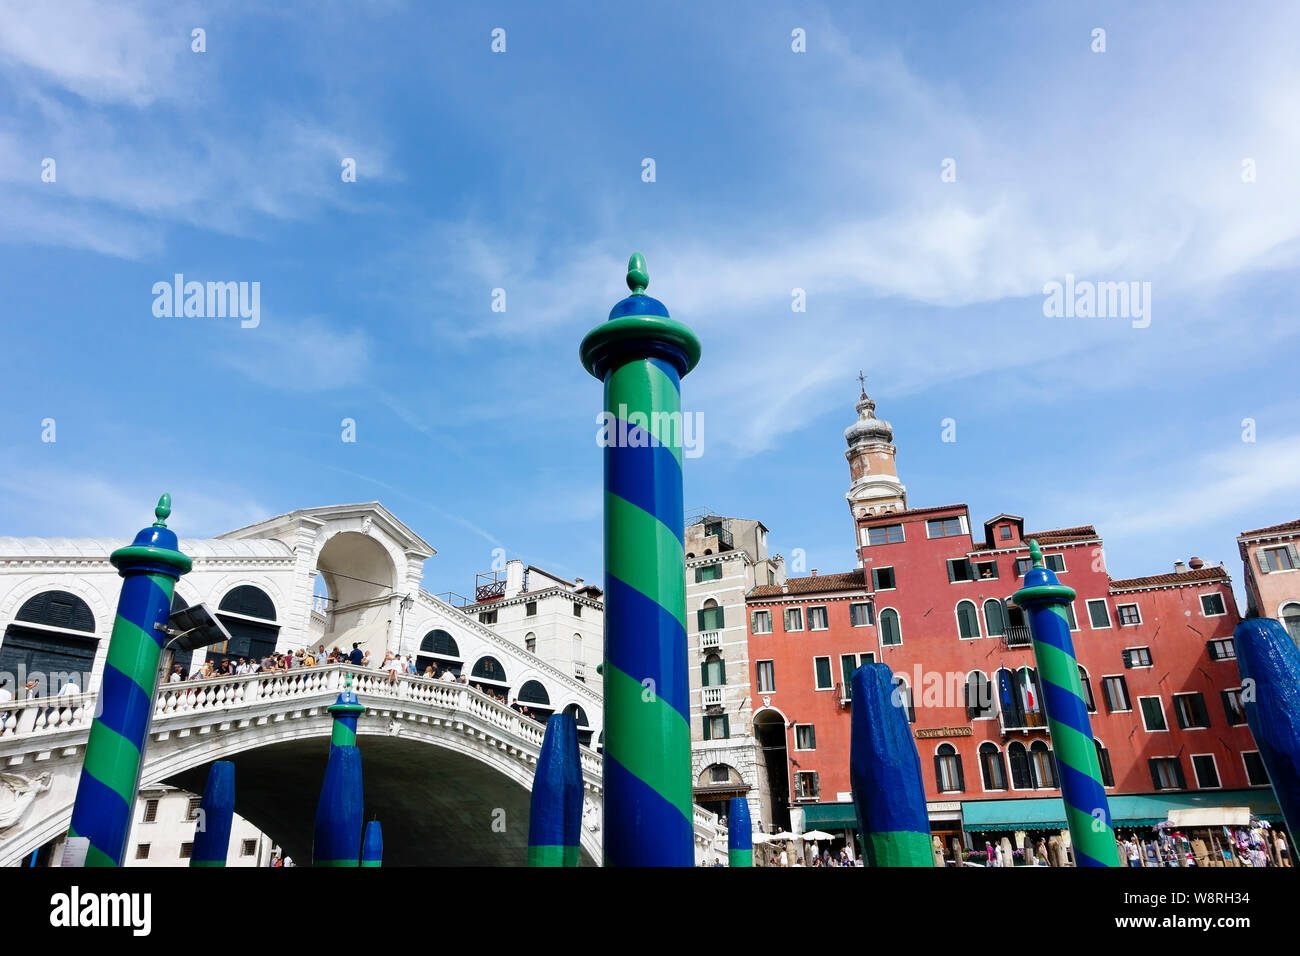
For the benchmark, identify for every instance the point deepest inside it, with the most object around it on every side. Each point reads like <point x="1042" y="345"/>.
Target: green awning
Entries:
<point x="1138" y="810"/>
<point x="829" y="816"/>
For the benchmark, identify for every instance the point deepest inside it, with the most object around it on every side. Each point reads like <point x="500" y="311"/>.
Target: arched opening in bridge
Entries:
<point x="359" y="598"/>
<point x="490" y="676"/>
<point x="580" y="718"/>
<point x="249" y="615"/>
<point x="438" y="650"/>
<point x="769" y="729"/>
<point x="533" y="695"/>
<point x="51" y="641"/>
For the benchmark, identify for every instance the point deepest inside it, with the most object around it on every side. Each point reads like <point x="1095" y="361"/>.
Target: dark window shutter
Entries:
<point x="1178" y="772"/>
<point x="951" y="576"/>
<point x="708" y="724"/>
<point x="961" y="776"/>
<point x="1154" y="764"/>
<point x="938" y="773"/>
<point x="718" y="622"/>
<point x="1261" y="557"/>
<point x="726" y="726"/>
<point x="1202" y="713"/>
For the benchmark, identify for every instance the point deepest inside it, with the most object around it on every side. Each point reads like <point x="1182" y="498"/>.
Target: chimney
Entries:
<point x="814" y="572"/>
<point x="1180" y="567"/>
<point x="577" y="584"/>
<point x="1196" y="564"/>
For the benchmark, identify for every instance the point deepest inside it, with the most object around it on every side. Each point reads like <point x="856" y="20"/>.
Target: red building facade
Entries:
<point x="932" y="599"/>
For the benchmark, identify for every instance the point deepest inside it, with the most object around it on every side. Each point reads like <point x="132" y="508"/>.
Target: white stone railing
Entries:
<point x="712" y="696"/>
<point x="298" y="687"/>
<point x="710" y="639"/>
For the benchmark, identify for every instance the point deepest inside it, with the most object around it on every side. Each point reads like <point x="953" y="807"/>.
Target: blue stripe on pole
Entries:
<point x="673" y="374"/>
<point x="126" y="705"/>
<point x="884" y="767"/>
<point x="1082" y="859"/>
<point x="739" y="828"/>
<point x="1065" y="706"/>
<point x="653" y="813"/>
<point x="101" y="815"/>
<point x="216" y="814"/>
<point x="1082" y="792"/>
<point x="646" y="474"/>
<point x="1051" y="629"/>
<point x="652" y="643"/>
<point x="555" y="807"/>
<point x="144" y="604"/>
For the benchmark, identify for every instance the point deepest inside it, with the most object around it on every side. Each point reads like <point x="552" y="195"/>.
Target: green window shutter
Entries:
<point x="719" y="618"/>
<point x="726" y="726"/>
<point x="951" y="576"/>
<point x="699" y="620"/>
<point x="1261" y="556"/>
<point x="708" y="724"/>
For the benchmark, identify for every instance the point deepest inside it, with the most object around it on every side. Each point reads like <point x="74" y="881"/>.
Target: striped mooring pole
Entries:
<point x="555" y="804"/>
<point x="1269" y="662"/>
<point x="340" y="807"/>
<point x="372" y="845"/>
<point x="150" y="566"/>
<point x="641" y="355"/>
<point x="216" y="814"/>
<point x="885" y="774"/>
<point x="740" y="834"/>
<point x="1043" y="599"/>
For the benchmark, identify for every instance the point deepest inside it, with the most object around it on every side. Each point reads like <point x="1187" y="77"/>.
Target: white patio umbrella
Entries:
<point x="817" y="835"/>
<point x="783" y="835"/>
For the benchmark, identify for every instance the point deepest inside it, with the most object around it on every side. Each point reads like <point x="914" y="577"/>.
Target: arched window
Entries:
<point x="902" y="697"/>
<point x="1290" y="617"/>
<point x="62" y="647"/>
<point x="530" y="642"/>
<point x="968" y="620"/>
<point x="577" y="647"/>
<point x="1021" y="776"/>
<point x="533" y="693"/>
<point x="1086" y="686"/>
<point x="1044" y="765"/>
<point x="979" y="697"/>
<point x="1103" y="761"/>
<point x="584" y="731"/>
<point x="995" y="618"/>
<point x="438" y="650"/>
<point x="709" y="616"/>
<point x="891" y="633"/>
<point x="713" y="671"/>
<point x="489" y="668"/>
<point x="249" y="615"/>
<point x="947" y="769"/>
<point x="992" y="767"/>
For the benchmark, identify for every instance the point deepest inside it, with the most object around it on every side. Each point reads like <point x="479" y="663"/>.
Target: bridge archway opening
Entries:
<point x="52" y="641"/>
<point x="439" y="650"/>
<point x="360" y="586"/>
<point x="533" y="695"/>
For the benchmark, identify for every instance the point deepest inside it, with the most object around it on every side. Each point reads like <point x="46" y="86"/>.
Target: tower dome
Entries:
<point x="868" y="427"/>
<point x="875" y="487"/>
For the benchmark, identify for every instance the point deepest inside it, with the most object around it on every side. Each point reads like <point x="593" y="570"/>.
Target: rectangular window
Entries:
<point x="1277" y="559"/>
<point x="192" y="813"/>
<point x="1207" y="773"/>
<point x="1098" y="614"/>
<point x="1167" y="773"/>
<point x="1233" y="709"/>
<point x="771" y="576"/>
<point x="805" y="737"/>
<point x="1255" y="772"/>
<point x="577" y="609"/>
<point x="142" y="851"/>
<point x="1055" y="562"/>
<point x="708" y="572"/>
<point x="248" y="848"/>
<point x="1128" y="614"/>
<point x="806" y="786"/>
<point x="943" y="527"/>
<point x="1107" y="772"/>
<point x="1212" y="605"/>
<point x="1222" y="650"/>
<point x="959" y="569"/>
<point x="1190" y="710"/>
<point x="1070" y="618"/>
<point x="848" y="664"/>
<point x="1137" y="657"/>
<point x="1115" y="689"/>
<point x="488" y="617"/>
<point x="817" y="618"/>
<point x="862" y="615"/>
<point x="986" y="570"/>
<point x="710" y="618"/>
<point x="766" y="672"/>
<point x="794" y="619"/>
<point x="186" y="850"/>
<point x="1004" y="532"/>
<point x="717" y="728"/>
<point x="761" y="622"/>
<point x="530" y="609"/>
<point x="1023" y="565"/>
<point x="150" y="811"/>
<point x="1153" y="714"/>
<point x="885" y="534"/>
<point x="822" y="673"/>
<point x="882" y="579"/>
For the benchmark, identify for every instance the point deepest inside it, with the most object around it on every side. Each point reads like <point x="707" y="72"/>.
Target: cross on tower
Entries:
<point x="862" y="380"/>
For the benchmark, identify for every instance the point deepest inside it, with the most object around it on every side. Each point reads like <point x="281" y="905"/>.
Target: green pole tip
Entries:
<point x="163" y="511"/>
<point x="1035" y="553"/>
<point x="637" y="276"/>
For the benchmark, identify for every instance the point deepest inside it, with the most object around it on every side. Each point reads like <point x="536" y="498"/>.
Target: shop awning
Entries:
<point x="829" y="816"/>
<point x="1137" y="810"/>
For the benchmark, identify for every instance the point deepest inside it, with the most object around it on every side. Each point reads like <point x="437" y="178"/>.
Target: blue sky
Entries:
<point x="775" y="170"/>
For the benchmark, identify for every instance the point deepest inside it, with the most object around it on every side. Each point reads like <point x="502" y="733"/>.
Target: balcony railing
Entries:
<point x="1017" y="637"/>
<point x="1022" y="723"/>
<point x="713" y="697"/>
<point x="710" y="639"/>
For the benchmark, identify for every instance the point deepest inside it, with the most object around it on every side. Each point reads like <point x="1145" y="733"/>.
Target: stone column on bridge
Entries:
<point x="150" y="567"/>
<point x="641" y="355"/>
<point x="339" y="811"/>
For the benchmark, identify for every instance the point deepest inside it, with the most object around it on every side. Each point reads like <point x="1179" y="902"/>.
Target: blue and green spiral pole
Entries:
<point x="1269" y="662"/>
<point x="372" y="845"/>
<point x="885" y="774"/>
<point x="340" y="807"/>
<point x="555" y="805"/>
<point x="740" y="834"/>
<point x="1043" y="599"/>
<point x="216" y="815"/>
<point x="641" y="355"/>
<point x="150" y="566"/>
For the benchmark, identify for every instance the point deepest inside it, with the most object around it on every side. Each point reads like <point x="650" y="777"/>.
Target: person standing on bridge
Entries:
<point x="356" y="655"/>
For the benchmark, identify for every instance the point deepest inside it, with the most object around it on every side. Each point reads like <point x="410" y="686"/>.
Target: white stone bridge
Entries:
<point x="447" y="769"/>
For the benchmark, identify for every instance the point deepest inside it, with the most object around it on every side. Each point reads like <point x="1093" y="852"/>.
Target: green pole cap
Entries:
<point x="1035" y="553"/>
<point x="163" y="511"/>
<point x="638" y="278"/>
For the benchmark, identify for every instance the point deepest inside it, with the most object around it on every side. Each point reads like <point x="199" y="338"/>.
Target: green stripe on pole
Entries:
<point x="632" y="718"/>
<point x="643" y="387"/>
<point x="900" y="848"/>
<point x="112" y="760"/>
<point x="552" y="856"/>
<point x="645" y="555"/>
<point x="740" y="858"/>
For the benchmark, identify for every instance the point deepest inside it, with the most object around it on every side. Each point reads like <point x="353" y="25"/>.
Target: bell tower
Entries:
<point x="875" y="487"/>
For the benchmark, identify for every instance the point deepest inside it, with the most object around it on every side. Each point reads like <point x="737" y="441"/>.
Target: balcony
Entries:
<point x="710" y="640"/>
<point x="1022" y="723"/>
<point x="1017" y="637"/>
<point x="712" y="696"/>
<point x="580" y="670"/>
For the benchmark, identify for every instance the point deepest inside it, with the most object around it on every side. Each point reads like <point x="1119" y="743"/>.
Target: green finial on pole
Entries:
<point x="1035" y="553"/>
<point x="638" y="279"/>
<point x="163" y="511"/>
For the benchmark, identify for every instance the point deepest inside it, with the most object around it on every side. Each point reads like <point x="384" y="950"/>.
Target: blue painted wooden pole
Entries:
<point x="555" y="806"/>
<point x="372" y="845"/>
<point x="740" y="834"/>
<point x="1269" y="663"/>
<point x="216" y="814"/>
<point x="339" y="811"/>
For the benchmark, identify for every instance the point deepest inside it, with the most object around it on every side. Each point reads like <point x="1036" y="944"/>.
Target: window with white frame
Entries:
<point x="885" y="534"/>
<point x="806" y="786"/>
<point x="1069" y="616"/>
<point x="1207" y="771"/>
<point x="1153" y="714"/>
<point x="805" y="737"/>
<point x="1115" y="689"/>
<point x="1224" y="649"/>
<point x="1212" y="605"/>
<point x="761" y="622"/>
<point x="1128" y="615"/>
<point x="882" y="579"/>
<point x="765" y="672"/>
<point x="822" y="674"/>
<point x="891" y="633"/>
<point x="1256" y="774"/>
<point x="1137" y="657"/>
<point x="1234" y="709"/>
<point x="968" y="621"/>
<point x="1189" y="710"/>
<point x="794" y="619"/>
<point x="861" y="614"/>
<point x="943" y="527"/>
<point x="1098" y="614"/>
<point x="1167" y="773"/>
<point x="817" y="618"/>
<point x="1278" y="559"/>
<point x="947" y="769"/>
